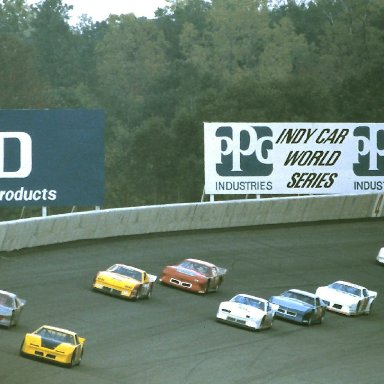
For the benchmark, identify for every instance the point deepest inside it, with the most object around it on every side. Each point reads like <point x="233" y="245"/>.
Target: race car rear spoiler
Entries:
<point x="152" y="278"/>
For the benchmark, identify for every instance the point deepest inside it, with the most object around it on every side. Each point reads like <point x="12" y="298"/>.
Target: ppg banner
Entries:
<point x="294" y="158"/>
<point x="51" y="157"/>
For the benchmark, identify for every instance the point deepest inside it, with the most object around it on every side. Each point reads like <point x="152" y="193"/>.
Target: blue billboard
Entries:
<point x="51" y="157"/>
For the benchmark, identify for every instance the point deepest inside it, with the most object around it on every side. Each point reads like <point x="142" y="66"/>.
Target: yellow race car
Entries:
<point x="125" y="281"/>
<point x="53" y="344"/>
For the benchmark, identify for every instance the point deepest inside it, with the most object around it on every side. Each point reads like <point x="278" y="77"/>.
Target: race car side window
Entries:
<point x="365" y="292"/>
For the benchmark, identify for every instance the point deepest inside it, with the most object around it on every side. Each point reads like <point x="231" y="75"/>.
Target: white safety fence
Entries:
<point x="99" y="224"/>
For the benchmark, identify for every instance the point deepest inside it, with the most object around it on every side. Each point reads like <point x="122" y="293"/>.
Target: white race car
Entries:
<point x="247" y="311"/>
<point x="10" y="308"/>
<point x="380" y="256"/>
<point x="347" y="298"/>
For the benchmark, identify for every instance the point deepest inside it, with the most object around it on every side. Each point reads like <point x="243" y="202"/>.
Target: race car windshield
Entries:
<point x="126" y="272"/>
<point x="345" y="288"/>
<point x="5" y="300"/>
<point x="299" y="296"/>
<point x="53" y="334"/>
<point x="202" y="269"/>
<point x="249" y="301"/>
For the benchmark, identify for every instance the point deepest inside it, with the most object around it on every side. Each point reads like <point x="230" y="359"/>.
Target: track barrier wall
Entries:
<point x="33" y="232"/>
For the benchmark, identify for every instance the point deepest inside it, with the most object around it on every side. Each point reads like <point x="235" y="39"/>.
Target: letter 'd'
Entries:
<point x="25" y="142"/>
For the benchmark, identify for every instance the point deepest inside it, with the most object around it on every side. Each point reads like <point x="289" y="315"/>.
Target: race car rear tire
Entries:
<point x="138" y="294"/>
<point x="73" y="359"/>
<point x="12" y="320"/>
<point x="149" y="294"/>
<point x="207" y="286"/>
<point x="81" y="356"/>
<point x="72" y="363"/>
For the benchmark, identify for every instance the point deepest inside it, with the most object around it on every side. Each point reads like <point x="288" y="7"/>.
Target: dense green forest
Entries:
<point x="159" y="79"/>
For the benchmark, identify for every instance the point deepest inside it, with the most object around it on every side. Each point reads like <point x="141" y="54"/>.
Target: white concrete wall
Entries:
<point x="34" y="232"/>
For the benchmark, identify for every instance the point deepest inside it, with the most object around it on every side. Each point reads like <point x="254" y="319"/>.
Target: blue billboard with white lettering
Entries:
<point x="51" y="157"/>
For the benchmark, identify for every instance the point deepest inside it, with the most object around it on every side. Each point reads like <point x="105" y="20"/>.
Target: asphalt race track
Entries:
<point x="173" y="337"/>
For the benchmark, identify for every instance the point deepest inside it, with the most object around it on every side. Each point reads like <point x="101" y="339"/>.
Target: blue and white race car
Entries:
<point x="299" y="306"/>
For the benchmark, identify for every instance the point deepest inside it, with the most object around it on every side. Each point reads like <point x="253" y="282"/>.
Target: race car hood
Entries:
<point x="330" y="294"/>
<point x="287" y="302"/>
<point x="242" y="309"/>
<point x="119" y="279"/>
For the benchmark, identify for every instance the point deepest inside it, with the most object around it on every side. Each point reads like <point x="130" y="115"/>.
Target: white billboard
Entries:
<point x="294" y="158"/>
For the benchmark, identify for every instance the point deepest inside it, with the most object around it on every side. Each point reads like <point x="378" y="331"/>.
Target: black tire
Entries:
<point x="309" y="319"/>
<point x="263" y="323"/>
<point x="138" y="294"/>
<point x="73" y="362"/>
<point x="207" y="286"/>
<point x="12" y="321"/>
<point x="149" y="294"/>
<point x="81" y="355"/>
<point x="358" y="308"/>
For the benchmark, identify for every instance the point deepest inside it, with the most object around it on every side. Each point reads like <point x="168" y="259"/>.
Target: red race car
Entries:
<point x="194" y="275"/>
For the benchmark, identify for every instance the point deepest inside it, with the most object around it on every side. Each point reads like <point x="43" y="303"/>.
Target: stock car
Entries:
<point x="347" y="298"/>
<point x="125" y="281"/>
<point x="53" y="344"/>
<point x="193" y="275"/>
<point x="247" y="311"/>
<point x="10" y="308"/>
<point x="380" y="256"/>
<point x="299" y="306"/>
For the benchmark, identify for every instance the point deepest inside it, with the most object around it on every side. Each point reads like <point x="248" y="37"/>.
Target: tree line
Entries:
<point x="158" y="80"/>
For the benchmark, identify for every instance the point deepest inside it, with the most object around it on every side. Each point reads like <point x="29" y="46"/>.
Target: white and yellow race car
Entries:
<point x="54" y="345"/>
<point x="125" y="281"/>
